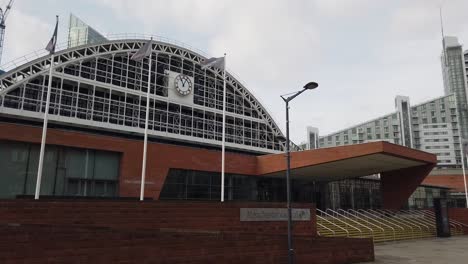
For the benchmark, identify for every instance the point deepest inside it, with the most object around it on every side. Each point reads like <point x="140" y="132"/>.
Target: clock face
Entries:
<point x="183" y="84"/>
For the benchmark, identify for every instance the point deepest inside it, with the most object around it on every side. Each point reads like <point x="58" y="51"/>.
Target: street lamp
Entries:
<point x="287" y="99"/>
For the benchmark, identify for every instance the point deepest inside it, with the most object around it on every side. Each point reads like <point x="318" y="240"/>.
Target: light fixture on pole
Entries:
<point x="287" y="99"/>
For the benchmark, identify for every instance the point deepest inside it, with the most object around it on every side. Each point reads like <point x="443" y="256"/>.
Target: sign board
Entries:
<point x="273" y="214"/>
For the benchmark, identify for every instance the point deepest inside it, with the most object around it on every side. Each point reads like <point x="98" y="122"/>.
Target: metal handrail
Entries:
<point x="408" y="221"/>
<point x="323" y="218"/>
<point x="372" y="231"/>
<point x="356" y="212"/>
<point x="421" y="221"/>
<point x="394" y="215"/>
<point x="459" y="223"/>
<point x="336" y="219"/>
<point x="389" y="226"/>
<point x="387" y="211"/>
<point x="424" y="219"/>
<point x="431" y="215"/>
<point x="329" y="209"/>
<point x="453" y="223"/>
<point x="325" y="228"/>
<point x="382" y="217"/>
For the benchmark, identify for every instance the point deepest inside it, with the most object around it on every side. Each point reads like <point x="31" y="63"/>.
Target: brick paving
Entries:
<point x="453" y="250"/>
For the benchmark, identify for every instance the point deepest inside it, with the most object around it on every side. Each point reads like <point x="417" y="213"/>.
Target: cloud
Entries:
<point x="362" y="52"/>
<point x="270" y="44"/>
<point x="344" y="8"/>
<point x="24" y="33"/>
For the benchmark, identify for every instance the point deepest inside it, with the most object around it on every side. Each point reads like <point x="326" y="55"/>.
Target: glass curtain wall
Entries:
<point x="67" y="171"/>
<point x="201" y="185"/>
<point x="424" y="197"/>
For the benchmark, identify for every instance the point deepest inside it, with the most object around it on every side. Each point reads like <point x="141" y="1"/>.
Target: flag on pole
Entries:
<point x="143" y="52"/>
<point x="213" y="62"/>
<point x="53" y="41"/>
<point x="51" y="48"/>
<point x="220" y="63"/>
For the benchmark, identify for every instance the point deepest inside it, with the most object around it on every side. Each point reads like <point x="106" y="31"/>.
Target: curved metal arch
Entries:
<point x="14" y="78"/>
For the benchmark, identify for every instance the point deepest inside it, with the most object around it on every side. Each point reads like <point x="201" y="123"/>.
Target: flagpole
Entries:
<point x="224" y="131"/>
<point x="462" y="150"/>
<point x="463" y="170"/>
<point x="145" y="144"/>
<point x="44" y="131"/>
<point x="464" y="177"/>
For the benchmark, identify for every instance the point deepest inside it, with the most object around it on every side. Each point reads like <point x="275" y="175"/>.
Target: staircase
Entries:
<point x="381" y="225"/>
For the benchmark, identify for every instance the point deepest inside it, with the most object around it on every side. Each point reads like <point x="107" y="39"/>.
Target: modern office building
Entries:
<point x="96" y="125"/>
<point x="312" y="139"/>
<point x="430" y="126"/>
<point x="80" y="33"/>
<point x="438" y="126"/>
<point x="455" y="82"/>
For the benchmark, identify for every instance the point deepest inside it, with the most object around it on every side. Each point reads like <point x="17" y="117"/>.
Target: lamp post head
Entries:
<point x="311" y="85"/>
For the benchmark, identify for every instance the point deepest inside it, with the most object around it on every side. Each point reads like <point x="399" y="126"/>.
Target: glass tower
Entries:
<point x="80" y="33"/>
<point x="454" y="75"/>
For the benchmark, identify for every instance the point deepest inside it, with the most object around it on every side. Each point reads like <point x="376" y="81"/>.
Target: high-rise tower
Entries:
<point x="454" y="75"/>
<point x="80" y="33"/>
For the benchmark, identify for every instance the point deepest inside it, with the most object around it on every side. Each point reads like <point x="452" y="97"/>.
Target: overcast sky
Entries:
<point x="362" y="52"/>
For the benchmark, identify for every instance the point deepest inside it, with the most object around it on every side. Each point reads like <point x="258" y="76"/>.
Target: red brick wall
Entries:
<point x="397" y="185"/>
<point x="207" y="216"/>
<point x="52" y="244"/>
<point x="460" y="215"/>
<point x="161" y="157"/>
<point x="455" y="182"/>
<point x="75" y="231"/>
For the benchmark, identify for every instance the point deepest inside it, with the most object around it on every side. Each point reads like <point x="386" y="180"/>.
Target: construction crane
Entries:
<point x="3" y="17"/>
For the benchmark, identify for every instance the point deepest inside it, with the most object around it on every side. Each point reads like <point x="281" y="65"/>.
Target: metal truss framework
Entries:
<point x="98" y="85"/>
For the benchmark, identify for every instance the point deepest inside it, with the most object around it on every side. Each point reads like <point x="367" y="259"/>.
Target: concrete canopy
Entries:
<point x="402" y="169"/>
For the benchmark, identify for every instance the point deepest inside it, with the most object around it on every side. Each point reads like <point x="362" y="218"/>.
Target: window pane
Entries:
<point x="198" y="192"/>
<point x="13" y="163"/>
<point x="76" y="163"/>
<point x="106" y="165"/>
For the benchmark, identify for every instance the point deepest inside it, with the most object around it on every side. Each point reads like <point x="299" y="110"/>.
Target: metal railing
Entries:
<point x="322" y="226"/>
<point x="403" y="221"/>
<point x="411" y="217"/>
<point x="452" y="223"/>
<point x="361" y="216"/>
<point x="421" y="217"/>
<point x="338" y="220"/>
<point x="409" y="222"/>
<point x="349" y="219"/>
<point x="382" y="217"/>
<point x="386" y="225"/>
<point x="324" y="219"/>
<point x="381" y="221"/>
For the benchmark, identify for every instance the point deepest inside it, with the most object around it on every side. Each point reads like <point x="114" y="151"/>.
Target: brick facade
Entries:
<point x="162" y="157"/>
<point x="460" y="215"/>
<point x="206" y="216"/>
<point x="74" y="231"/>
<point x="454" y="182"/>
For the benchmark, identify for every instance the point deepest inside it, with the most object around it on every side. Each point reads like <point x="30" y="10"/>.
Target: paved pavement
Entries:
<point x="453" y="250"/>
